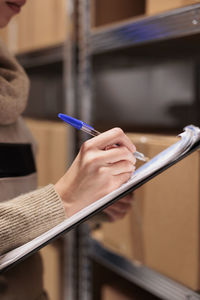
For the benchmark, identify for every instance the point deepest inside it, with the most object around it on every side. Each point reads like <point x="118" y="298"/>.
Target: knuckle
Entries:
<point x="134" y="148"/>
<point x="118" y="131"/>
<point x="133" y="160"/>
<point x="125" y="152"/>
<point x="128" y="155"/>
<point x="92" y="163"/>
<point x="85" y="147"/>
<point x="127" y="176"/>
<point x="94" y="160"/>
<point x="101" y="171"/>
<point x="130" y="167"/>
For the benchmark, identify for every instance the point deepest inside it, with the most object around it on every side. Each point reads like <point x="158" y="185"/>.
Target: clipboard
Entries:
<point x="189" y="142"/>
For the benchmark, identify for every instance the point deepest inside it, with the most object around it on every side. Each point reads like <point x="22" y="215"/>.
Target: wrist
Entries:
<point x="70" y="206"/>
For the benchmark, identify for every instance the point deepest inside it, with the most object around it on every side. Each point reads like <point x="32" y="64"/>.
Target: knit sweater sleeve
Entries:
<point x="14" y="87"/>
<point x="27" y="216"/>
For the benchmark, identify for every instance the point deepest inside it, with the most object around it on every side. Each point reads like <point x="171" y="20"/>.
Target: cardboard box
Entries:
<point x="165" y="231"/>
<point x="4" y="35"/>
<point x="25" y="28"/>
<point x="52" y="154"/>
<point x="117" y="236"/>
<point x="157" y="6"/>
<point x="9" y="35"/>
<point x="113" y="293"/>
<point x="40" y="24"/>
<point x="20" y="33"/>
<point x="169" y="217"/>
<point x="128" y="229"/>
<point x="105" y="12"/>
<point x="50" y="22"/>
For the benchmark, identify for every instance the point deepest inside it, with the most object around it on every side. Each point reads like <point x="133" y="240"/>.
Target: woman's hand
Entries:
<point x="119" y="209"/>
<point x="96" y="172"/>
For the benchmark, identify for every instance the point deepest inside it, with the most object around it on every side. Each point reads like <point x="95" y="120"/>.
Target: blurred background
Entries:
<point x="135" y="65"/>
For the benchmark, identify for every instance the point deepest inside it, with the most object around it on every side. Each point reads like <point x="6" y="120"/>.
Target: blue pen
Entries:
<point x="80" y="125"/>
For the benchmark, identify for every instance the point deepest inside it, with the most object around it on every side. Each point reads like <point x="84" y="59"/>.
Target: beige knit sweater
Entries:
<point x="30" y="214"/>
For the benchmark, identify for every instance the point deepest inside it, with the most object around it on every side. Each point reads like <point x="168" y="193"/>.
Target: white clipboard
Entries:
<point x="188" y="143"/>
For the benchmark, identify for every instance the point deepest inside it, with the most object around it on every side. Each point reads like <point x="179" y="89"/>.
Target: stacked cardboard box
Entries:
<point x="3" y="35"/>
<point x="157" y="6"/>
<point x="108" y="12"/>
<point x="52" y="269"/>
<point x="122" y="243"/>
<point x="113" y="293"/>
<point x="162" y="231"/>
<point x="41" y="24"/>
<point x="105" y="12"/>
<point x="44" y="23"/>
<point x="52" y="139"/>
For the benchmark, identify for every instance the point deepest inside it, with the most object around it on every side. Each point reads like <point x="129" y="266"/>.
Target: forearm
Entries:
<point x="28" y="216"/>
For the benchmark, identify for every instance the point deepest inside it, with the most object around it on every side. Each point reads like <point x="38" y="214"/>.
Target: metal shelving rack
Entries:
<point x="174" y="24"/>
<point x="42" y="57"/>
<point x="147" y="31"/>
<point x="140" y="275"/>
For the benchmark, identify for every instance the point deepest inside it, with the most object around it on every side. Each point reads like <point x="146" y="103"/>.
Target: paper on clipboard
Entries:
<point x="188" y="139"/>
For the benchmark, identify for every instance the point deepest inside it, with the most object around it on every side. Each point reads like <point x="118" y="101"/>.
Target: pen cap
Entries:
<point x="73" y="122"/>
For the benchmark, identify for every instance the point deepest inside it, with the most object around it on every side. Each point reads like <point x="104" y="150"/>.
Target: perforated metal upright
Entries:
<point x="69" y="82"/>
<point x="84" y="113"/>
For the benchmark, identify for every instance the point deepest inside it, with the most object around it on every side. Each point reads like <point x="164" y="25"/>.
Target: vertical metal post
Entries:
<point x="70" y="73"/>
<point x="69" y="270"/>
<point x="69" y="82"/>
<point x="84" y="66"/>
<point x="85" y="113"/>
<point x="85" y="272"/>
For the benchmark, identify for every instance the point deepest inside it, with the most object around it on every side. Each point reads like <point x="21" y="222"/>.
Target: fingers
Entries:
<point x="122" y="204"/>
<point x="126" y="199"/>
<point x="119" y="209"/>
<point x="122" y="178"/>
<point x="122" y="167"/>
<point x="113" y="216"/>
<point x="112" y="137"/>
<point x="118" y="154"/>
<point x="116" y="158"/>
<point x="117" y="212"/>
<point x="93" y="150"/>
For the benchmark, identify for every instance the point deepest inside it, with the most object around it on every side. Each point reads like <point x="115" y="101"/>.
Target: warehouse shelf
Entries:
<point x="42" y="57"/>
<point x="149" y="280"/>
<point x="174" y="24"/>
<point x="174" y="34"/>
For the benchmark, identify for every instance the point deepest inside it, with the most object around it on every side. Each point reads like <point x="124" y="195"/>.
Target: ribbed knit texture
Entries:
<point x="14" y="87"/>
<point x="26" y="217"/>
